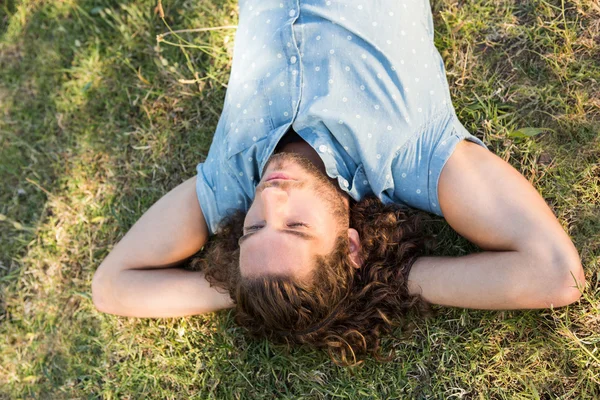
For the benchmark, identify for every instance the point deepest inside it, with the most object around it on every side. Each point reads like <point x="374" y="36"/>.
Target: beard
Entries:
<point x="318" y="182"/>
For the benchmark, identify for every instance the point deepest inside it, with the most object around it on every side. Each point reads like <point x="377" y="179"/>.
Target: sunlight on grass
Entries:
<point x="84" y="75"/>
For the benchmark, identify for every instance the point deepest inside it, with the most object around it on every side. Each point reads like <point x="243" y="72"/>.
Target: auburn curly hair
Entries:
<point x="341" y="309"/>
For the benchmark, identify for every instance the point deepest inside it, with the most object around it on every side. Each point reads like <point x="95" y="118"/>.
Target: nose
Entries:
<point x="273" y="196"/>
<point x="274" y="201"/>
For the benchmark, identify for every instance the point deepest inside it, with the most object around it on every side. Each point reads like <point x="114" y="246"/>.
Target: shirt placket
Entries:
<point x="285" y="95"/>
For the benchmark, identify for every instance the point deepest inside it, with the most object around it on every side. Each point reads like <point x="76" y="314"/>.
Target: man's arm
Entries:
<point x="137" y="278"/>
<point x="530" y="261"/>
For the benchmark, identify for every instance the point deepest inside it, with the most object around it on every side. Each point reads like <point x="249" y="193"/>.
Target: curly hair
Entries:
<point x="342" y="309"/>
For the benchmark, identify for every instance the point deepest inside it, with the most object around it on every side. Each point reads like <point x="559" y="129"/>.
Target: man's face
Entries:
<point x="296" y="215"/>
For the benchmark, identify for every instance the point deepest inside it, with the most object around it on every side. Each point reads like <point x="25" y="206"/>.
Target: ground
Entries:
<point x="98" y="120"/>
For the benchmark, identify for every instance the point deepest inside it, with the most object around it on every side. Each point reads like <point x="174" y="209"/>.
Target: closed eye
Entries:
<point x="296" y="224"/>
<point x="290" y="225"/>
<point x="253" y="228"/>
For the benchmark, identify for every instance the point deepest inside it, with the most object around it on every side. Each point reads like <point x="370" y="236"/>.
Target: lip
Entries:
<point x="278" y="176"/>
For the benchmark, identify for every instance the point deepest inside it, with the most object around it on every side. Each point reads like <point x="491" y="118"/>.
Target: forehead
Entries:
<point x="281" y="254"/>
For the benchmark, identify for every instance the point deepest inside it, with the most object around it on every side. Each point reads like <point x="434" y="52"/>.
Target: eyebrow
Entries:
<point x="302" y="235"/>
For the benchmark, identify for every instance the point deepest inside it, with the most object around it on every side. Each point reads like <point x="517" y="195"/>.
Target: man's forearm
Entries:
<point x="139" y="279"/>
<point x="493" y="280"/>
<point x="155" y="293"/>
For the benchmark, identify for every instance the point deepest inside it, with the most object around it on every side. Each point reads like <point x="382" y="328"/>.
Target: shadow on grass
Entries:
<point x="86" y="152"/>
<point x="62" y="135"/>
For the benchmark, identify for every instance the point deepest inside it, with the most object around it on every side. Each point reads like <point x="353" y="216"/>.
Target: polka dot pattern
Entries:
<point x="364" y="88"/>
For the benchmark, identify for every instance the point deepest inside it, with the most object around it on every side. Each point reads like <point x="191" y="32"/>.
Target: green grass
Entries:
<point x="97" y="122"/>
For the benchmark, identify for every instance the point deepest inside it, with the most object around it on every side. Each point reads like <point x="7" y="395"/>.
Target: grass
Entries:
<point x="97" y="121"/>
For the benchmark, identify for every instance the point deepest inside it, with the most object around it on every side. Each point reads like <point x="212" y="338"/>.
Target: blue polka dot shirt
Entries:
<point x="360" y="81"/>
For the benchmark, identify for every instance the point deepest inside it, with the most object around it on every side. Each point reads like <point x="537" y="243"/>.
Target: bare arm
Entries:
<point x="530" y="263"/>
<point x="138" y="277"/>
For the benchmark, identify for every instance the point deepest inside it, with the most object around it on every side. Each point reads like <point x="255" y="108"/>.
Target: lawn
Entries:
<point x="98" y="120"/>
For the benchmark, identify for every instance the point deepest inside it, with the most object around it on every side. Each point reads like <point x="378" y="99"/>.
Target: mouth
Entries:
<point x="277" y="176"/>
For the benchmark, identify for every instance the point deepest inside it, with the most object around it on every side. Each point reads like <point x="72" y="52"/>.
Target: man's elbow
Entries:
<point x="99" y="295"/>
<point x="568" y="281"/>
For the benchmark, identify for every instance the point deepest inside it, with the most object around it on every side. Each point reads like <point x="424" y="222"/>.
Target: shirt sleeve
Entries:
<point x="218" y="190"/>
<point x="417" y="168"/>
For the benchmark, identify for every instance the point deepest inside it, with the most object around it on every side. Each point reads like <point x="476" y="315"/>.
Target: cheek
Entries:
<point x="311" y="201"/>
<point x="251" y="212"/>
<point x="330" y="199"/>
<point x="315" y="206"/>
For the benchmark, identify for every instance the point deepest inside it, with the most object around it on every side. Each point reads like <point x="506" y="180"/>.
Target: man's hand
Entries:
<point x="530" y="263"/>
<point x="138" y="279"/>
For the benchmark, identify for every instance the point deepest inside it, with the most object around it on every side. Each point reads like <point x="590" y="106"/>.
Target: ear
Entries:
<point x="354" y="242"/>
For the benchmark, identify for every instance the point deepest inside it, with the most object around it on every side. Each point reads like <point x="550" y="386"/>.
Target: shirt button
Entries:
<point x="292" y="13"/>
<point x="345" y="183"/>
<point x="322" y="148"/>
<point x="293" y="59"/>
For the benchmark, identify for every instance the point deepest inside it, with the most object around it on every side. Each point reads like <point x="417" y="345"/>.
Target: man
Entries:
<point x="338" y="116"/>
